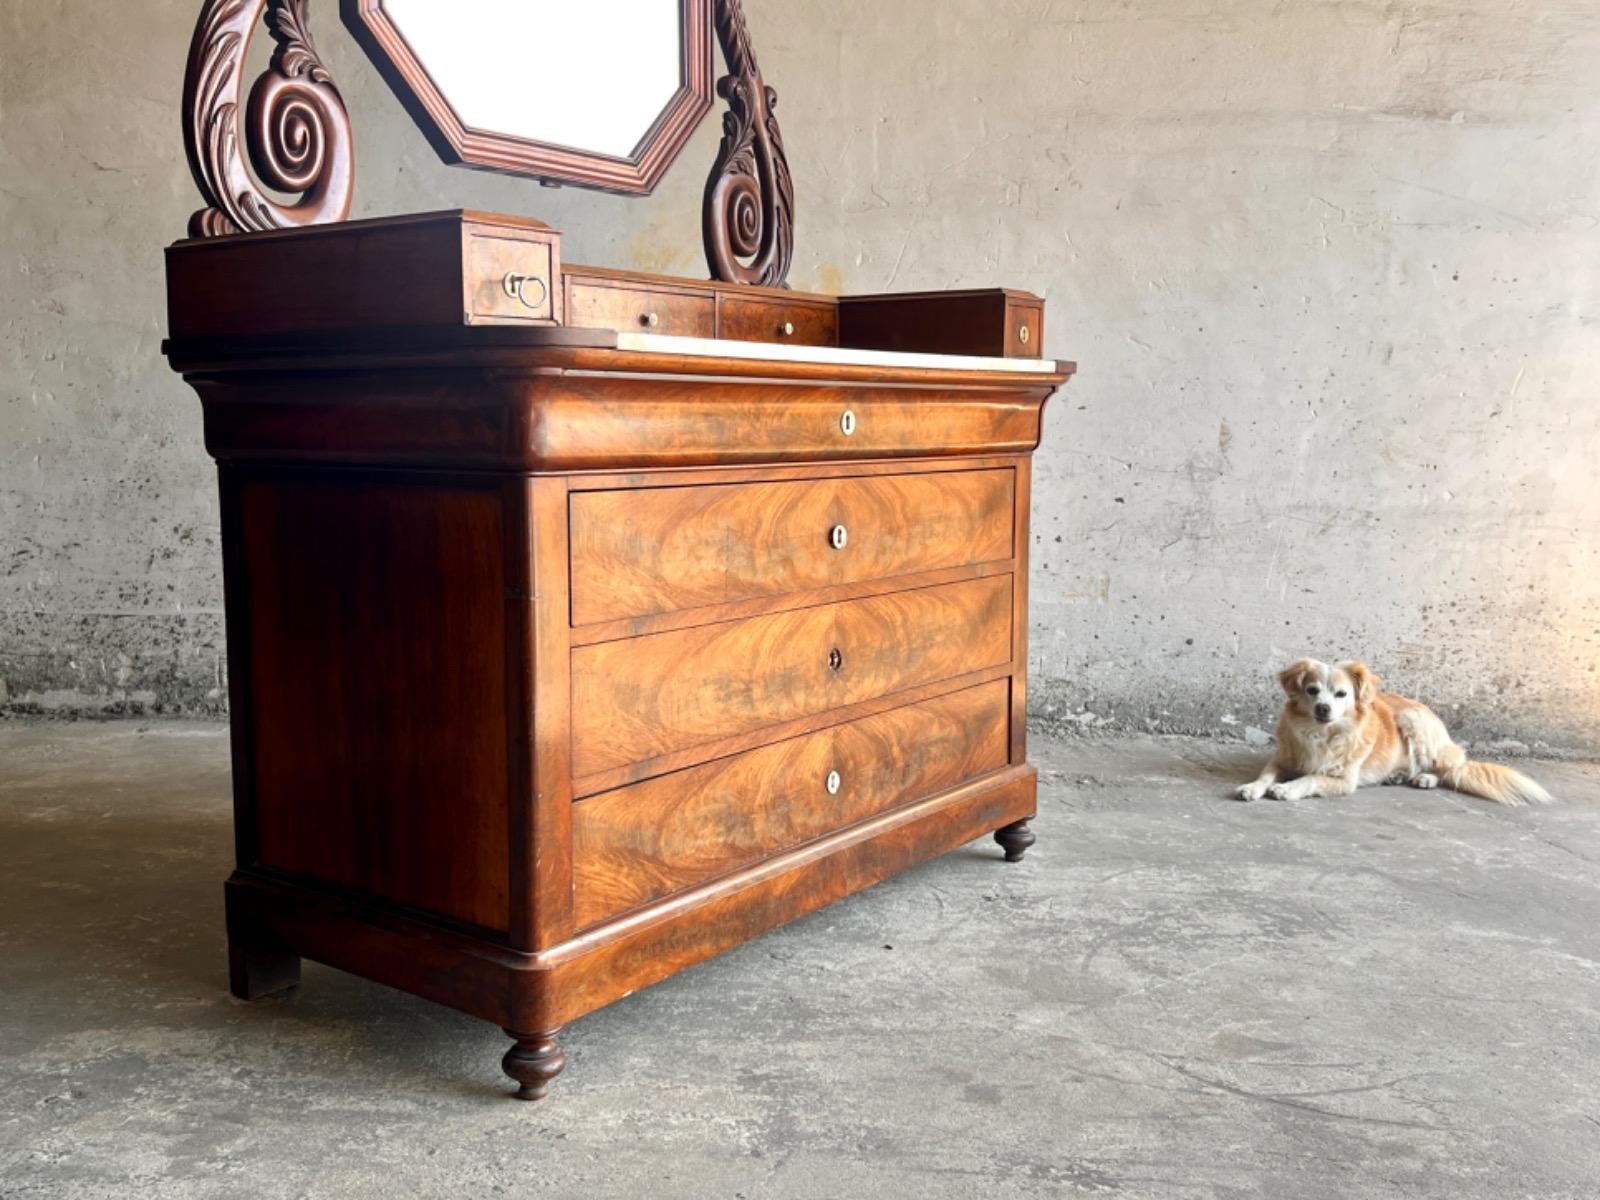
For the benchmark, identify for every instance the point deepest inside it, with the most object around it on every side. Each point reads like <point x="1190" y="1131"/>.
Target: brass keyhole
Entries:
<point x="835" y="659"/>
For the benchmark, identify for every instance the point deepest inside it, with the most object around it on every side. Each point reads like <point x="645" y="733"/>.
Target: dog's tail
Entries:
<point x="1490" y="781"/>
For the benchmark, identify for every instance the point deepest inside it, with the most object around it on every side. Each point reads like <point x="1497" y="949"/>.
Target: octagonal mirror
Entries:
<point x="601" y="93"/>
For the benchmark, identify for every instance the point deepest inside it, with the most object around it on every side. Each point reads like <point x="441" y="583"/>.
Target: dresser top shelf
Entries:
<point x="416" y="278"/>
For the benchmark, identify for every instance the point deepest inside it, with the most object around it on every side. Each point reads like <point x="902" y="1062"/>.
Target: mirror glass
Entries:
<point x="597" y="92"/>
<point x="589" y="76"/>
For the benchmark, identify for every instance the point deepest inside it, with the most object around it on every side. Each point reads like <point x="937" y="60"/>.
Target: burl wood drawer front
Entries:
<point x="641" y="698"/>
<point x="638" y="310"/>
<point x="639" y="843"/>
<point x="744" y="320"/>
<point x="651" y="550"/>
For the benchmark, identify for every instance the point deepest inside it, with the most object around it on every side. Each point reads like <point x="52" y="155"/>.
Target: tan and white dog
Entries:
<point x="1338" y="732"/>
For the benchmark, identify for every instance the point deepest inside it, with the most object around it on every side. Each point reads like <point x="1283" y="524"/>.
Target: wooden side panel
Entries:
<point x="378" y="687"/>
<point x="543" y="895"/>
<point x="1019" y="618"/>
<point x="637" y="844"/>
<point x="644" y="551"/>
<point x="991" y="321"/>
<point x="638" y="699"/>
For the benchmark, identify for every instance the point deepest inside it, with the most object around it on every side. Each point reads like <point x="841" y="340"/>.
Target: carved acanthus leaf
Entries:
<point x="298" y="131"/>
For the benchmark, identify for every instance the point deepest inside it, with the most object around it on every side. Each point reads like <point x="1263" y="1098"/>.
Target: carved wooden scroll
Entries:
<point x="749" y="204"/>
<point x="296" y="129"/>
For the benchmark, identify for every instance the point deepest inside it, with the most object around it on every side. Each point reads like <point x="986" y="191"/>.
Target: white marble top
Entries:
<point x="657" y="343"/>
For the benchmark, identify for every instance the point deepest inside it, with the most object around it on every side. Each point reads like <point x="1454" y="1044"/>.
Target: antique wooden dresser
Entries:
<point x="583" y="624"/>
<point x="564" y="657"/>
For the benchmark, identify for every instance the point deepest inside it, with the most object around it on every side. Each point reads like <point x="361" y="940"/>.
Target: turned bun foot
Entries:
<point x="533" y="1062"/>
<point x="1015" y="839"/>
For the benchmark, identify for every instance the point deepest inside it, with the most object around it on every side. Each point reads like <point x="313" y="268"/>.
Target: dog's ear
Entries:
<point x="1363" y="680"/>
<point x="1293" y="677"/>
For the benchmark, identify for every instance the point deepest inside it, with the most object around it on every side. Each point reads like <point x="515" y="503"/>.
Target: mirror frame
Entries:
<point x="460" y="144"/>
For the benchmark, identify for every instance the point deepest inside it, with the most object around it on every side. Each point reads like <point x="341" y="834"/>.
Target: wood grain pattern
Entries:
<point x="513" y="417"/>
<point x="1019" y="615"/>
<point x="636" y="844"/>
<point x="636" y="309"/>
<point x="359" y="591"/>
<point x="495" y="254"/>
<point x="542" y="845"/>
<point x="641" y="551"/>
<point x="395" y="273"/>
<point x="785" y="321"/>
<point x="588" y="423"/>
<point x="642" y="698"/>
<point x="615" y="959"/>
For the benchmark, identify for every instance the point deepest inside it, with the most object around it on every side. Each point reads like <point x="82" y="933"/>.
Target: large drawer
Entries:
<point x="639" y="843"/>
<point x="638" y="699"/>
<point x="652" y="550"/>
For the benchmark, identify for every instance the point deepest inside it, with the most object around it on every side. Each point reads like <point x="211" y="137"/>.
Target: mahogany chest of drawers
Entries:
<point x="584" y="625"/>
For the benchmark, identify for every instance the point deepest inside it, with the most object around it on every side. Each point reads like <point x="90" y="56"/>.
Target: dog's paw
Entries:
<point x="1281" y="791"/>
<point x="1425" y="780"/>
<point x="1251" y="791"/>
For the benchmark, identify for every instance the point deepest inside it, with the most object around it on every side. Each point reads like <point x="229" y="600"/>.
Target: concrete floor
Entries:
<point x="1174" y="995"/>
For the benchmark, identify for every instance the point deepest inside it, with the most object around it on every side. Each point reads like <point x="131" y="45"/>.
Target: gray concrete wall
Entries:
<point x="1329" y="268"/>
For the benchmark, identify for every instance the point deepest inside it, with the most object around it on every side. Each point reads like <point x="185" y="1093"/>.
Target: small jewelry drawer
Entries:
<point x="637" y="844"/>
<point x="510" y="277"/>
<point x="781" y="322"/>
<point x="641" y="551"/>
<point x="640" y="310"/>
<point x="656" y="703"/>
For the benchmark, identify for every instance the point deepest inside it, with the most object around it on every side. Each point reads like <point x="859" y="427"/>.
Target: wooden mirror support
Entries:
<point x="749" y="206"/>
<point x="297" y="132"/>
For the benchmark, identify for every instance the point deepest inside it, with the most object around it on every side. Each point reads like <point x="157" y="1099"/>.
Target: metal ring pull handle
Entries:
<point x="835" y="659"/>
<point x="516" y="286"/>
